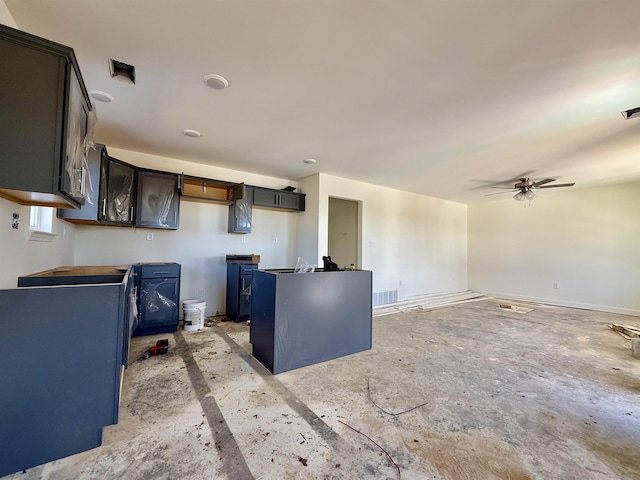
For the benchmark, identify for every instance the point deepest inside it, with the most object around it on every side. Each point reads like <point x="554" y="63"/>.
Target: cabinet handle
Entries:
<point x="162" y="272"/>
<point x="131" y="214"/>
<point x="104" y="208"/>
<point x="180" y="182"/>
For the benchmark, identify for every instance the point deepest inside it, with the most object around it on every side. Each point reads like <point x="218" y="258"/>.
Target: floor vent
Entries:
<point x="385" y="297"/>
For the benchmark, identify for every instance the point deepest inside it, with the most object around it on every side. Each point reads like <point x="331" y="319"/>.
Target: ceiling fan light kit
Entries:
<point x="524" y="188"/>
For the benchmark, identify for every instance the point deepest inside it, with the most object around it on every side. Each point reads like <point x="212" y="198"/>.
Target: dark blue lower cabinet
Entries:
<point x="239" y="290"/>
<point x="61" y="351"/>
<point x="158" y="286"/>
<point x="298" y="319"/>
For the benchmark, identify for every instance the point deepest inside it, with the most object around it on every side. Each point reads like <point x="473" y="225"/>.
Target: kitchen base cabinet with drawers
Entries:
<point x="158" y="286"/>
<point x="63" y="351"/>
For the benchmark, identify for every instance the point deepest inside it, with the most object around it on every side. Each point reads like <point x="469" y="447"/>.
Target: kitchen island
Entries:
<point x="298" y="319"/>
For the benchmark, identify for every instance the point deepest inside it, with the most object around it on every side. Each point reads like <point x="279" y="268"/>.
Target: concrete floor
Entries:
<point x="551" y="394"/>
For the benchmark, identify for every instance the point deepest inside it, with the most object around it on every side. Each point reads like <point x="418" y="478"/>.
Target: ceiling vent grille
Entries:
<point x="122" y="71"/>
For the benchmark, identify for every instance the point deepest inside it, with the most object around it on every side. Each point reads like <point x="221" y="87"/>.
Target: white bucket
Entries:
<point x="193" y="314"/>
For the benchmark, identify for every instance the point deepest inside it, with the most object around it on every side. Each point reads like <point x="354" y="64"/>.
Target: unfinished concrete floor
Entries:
<point x="551" y="394"/>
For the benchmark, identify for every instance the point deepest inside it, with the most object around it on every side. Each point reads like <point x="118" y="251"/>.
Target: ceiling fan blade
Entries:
<point x="499" y="193"/>
<point x="559" y="185"/>
<point x="502" y="188"/>
<point x="542" y="182"/>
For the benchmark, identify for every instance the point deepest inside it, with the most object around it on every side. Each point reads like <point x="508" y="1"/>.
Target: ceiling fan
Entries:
<point x="524" y="188"/>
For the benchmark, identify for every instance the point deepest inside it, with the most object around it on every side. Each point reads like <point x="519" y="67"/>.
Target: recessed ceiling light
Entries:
<point x="192" y="133"/>
<point x="309" y="161"/>
<point x="101" y="96"/>
<point x="216" y="81"/>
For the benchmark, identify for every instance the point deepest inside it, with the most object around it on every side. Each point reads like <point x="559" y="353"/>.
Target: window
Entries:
<point x="41" y="224"/>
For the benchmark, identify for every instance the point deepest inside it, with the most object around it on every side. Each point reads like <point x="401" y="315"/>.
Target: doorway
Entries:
<point x="344" y="232"/>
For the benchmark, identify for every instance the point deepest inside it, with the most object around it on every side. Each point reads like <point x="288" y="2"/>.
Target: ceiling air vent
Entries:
<point x="122" y="71"/>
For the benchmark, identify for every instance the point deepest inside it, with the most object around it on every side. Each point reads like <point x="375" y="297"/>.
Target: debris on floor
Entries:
<point x="627" y="331"/>
<point x="425" y="303"/>
<point x="212" y="320"/>
<point x="514" y="308"/>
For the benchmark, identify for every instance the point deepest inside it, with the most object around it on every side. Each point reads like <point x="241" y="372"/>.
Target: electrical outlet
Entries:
<point x="243" y="239"/>
<point x="201" y="292"/>
<point x="149" y="235"/>
<point x="373" y="243"/>
<point x="275" y="239"/>
<point x="556" y="285"/>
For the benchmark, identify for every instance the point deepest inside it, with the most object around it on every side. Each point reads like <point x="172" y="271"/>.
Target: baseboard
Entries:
<point x="565" y="303"/>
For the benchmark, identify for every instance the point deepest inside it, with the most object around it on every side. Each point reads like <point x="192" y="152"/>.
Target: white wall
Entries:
<point x="20" y="256"/>
<point x="202" y="242"/>
<point x="309" y="220"/>
<point x="413" y="243"/>
<point x="587" y="240"/>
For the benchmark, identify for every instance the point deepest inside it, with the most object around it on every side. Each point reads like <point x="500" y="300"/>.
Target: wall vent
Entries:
<point x="385" y="297"/>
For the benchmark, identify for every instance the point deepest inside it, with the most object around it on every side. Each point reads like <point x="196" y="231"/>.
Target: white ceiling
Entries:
<point x="437" y="97"/>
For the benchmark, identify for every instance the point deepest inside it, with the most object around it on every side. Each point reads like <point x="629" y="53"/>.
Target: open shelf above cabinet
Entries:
<point x="200" y="189"/>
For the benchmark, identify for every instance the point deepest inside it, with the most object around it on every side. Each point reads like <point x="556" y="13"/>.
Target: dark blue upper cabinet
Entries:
<point x="127" y="196"/>
<point x="44" y="118"/>
<point x="278" y="199"/>
<point x="117" y="191"/>
<point x="157" y="200"/>
<point x="88" y="213"/>
<point x="240" y="212"/>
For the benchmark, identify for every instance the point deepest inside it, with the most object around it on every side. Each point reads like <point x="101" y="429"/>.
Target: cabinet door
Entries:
<point x="244" y="301"/>
<point x="289" y="201"/>
<point x="73" y="178"/>
<point x="88" y="213"/>
<point x="238" y="191"/>
<point x="157" y="201"/>
<point x="116" y="192"/>
<point x="159" y="298"/>
<point x="240" y="213"/>
<point x="265" y="198"/>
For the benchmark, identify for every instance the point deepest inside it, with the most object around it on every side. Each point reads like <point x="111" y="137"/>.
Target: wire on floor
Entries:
<point x="385" y="411"/>
<point x="375" y="443"/>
